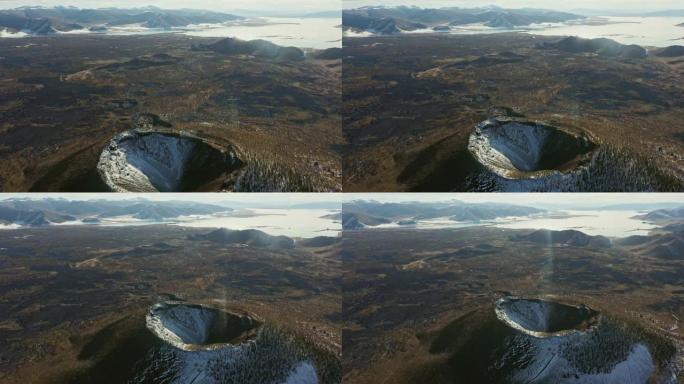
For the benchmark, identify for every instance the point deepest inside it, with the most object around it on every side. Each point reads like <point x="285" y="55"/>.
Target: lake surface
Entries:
<point x="286" y="222"/>
<point x="604" y="223"/>
<point x="645" y="31"/>
<point x="318" y="33"/>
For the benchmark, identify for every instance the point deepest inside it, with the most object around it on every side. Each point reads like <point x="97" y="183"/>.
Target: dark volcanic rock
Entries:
<point x="251" y="237"/>
<point x="601" y="46"/>
<point x="330" y="54"/>
<point x="633" y="240"/>
<point x="156" y="60"/>
<point x="568" y="237"/>
<point x="319" y="241"/>
<point x="258" y="48"/>
<point x="671" y="51"/>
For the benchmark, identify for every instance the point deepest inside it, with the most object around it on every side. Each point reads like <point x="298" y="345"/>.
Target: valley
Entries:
<point x="430" y="305"/>
<point x="274" y="110"/>
<point x="414" y="105"/>
<point x="74" y="302"/>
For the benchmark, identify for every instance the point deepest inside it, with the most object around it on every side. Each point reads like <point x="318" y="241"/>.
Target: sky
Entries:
<point x="278" y="6"/>
<point x="580" y="200"/>
<point x="623" y="5"/>
<point x="299" y="6"/>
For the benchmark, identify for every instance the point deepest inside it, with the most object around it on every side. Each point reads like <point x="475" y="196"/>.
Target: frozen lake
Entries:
<point x="604" y="223"/>
<point x="287" y="222"/>
<point x="644" y="31"/>
<point x="318" y="33"/>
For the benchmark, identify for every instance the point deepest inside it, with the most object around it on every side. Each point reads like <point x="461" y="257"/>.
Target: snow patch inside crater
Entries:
<point x="191" y="326"/>
<point x="303" y="373"/>
<point x="521" y="149"/>
<point x="158" y="161"/>
<point x="541" y="318"/>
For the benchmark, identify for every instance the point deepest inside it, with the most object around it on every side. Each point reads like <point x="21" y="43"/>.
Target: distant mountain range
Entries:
<point x="628" y="13"/>
<point x="46" y="21"/>
<point x="359" y="214"/>
<point x="664" y="243"/>
<point x="667" y="243"/>
<point x="661" y="215"/>
<point x="391" y="20"/>
<point x="285" y="13"/>
<point x="632" y="206"/>
<point x="41" y="212"/>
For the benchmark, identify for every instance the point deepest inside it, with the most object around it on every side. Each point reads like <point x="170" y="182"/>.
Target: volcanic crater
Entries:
<point x="519" y="149"/>
<point x="194" y="326"/>
<point x="543" y="341"/>
<point x="143" y="160"/>
<point x="545" y="318"/>
<point x="203" y="344"/>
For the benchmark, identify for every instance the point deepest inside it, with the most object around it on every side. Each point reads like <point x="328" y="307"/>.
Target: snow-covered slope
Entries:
<point x="156" y="161"/>
<point x="515" y="149"/>
<point x="266" y="356"/>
